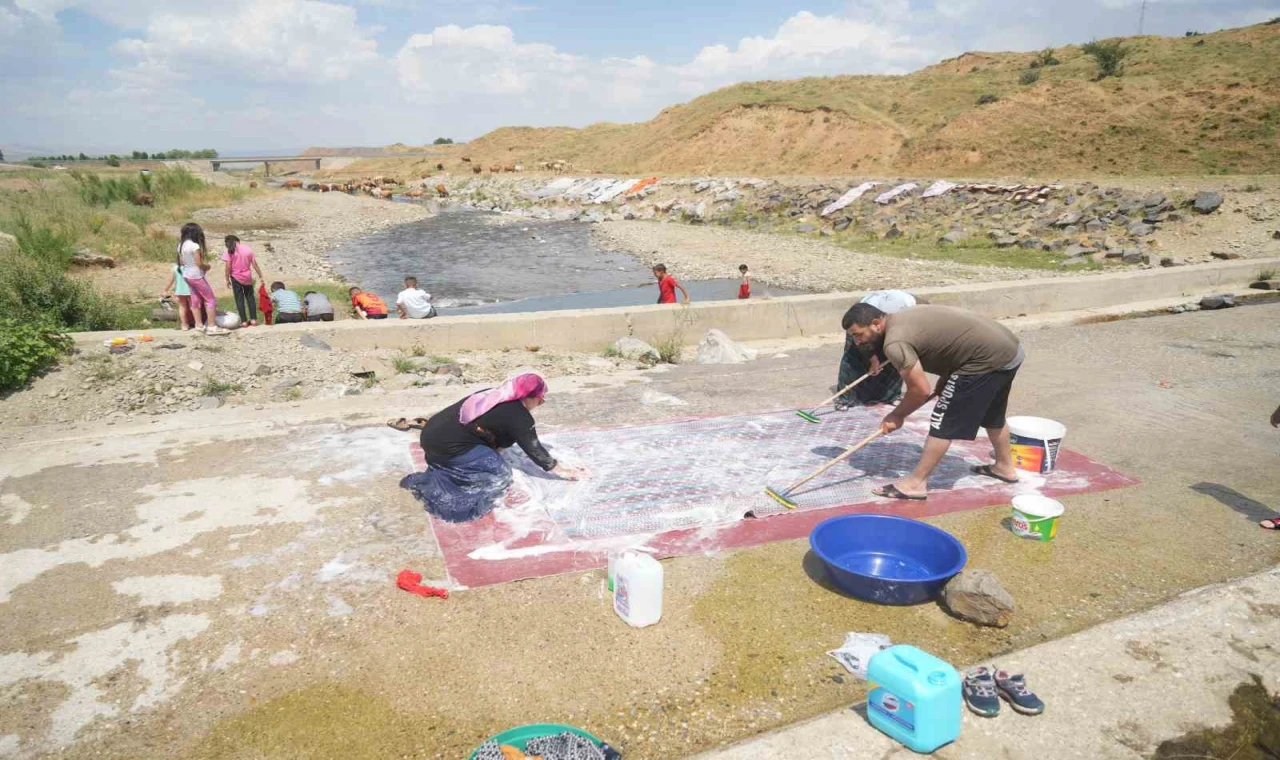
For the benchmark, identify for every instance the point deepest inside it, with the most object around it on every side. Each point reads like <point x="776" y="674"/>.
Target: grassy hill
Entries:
<point x="1195" y="105"/>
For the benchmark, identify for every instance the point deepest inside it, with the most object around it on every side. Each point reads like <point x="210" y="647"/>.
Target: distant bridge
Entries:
<point x="267" y="161"/>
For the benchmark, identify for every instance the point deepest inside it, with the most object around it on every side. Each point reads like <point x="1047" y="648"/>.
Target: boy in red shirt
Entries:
<point x="667" y="285"/>
<point x="744" y="290"/>
<point x="367" y="305"/>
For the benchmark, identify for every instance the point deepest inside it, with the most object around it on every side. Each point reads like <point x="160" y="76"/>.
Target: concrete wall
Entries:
<point x="759" y="319"/>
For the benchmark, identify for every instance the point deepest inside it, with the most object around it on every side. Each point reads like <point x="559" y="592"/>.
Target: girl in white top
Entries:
<point x="191" y="260"/>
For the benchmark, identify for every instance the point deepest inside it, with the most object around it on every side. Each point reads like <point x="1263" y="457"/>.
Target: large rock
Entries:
<point x="636" y="350"/>
<point x="87" y="258"/>
<point x="893" y="233"/>
<point x="1133" y="256"/>
<point x="1153" y="200"/>
<point x="717" y="348"/>
<point x="1139" y="229"/>
<point x="1222" y="301"/>
<point x="952" y="237"/>
<point x="1007" y="241"/>
<point x="1207" y="202"/>
<point x="8" y="243"/>
<point x="977" y="596"/>
<point x="1068" y="219"/>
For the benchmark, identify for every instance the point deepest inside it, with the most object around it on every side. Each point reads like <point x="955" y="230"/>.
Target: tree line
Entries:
<point x="137" y="155"/>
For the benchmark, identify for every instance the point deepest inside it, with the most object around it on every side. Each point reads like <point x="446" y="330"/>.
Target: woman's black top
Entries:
<point x="506" y="424"/>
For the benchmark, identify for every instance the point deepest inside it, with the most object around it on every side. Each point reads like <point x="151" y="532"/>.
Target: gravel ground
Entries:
<point x="254" y="367"/>
<point x="696" y="252"/>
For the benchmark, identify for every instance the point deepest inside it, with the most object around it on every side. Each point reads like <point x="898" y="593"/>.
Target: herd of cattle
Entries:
<point x="378" y="187"/>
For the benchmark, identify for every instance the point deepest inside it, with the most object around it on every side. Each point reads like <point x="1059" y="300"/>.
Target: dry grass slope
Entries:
<point x="1195" y="105"/>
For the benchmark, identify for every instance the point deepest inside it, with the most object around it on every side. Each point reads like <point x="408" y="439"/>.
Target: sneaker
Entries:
<point x="216" y="331"/>
<point x="979" y="689"/>
<point x="1013" y="688"/>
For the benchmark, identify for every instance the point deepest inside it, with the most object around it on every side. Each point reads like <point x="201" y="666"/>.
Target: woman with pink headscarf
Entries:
<point x="465" y="471"/>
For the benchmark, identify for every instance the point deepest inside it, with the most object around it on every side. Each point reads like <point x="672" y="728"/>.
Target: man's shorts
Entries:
<point x="968" y="402"/>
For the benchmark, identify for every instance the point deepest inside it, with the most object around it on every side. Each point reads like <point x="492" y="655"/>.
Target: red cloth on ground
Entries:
<point x="412" y="582"/>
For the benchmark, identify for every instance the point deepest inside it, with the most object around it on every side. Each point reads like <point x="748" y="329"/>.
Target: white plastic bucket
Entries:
<point x="1035" y="442"/>
<point x="1036" y="516"/>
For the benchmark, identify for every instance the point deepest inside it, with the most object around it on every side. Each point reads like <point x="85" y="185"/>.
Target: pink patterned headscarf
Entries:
<point x="512" y="389"/>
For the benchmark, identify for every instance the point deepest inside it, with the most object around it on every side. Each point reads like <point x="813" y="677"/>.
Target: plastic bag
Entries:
<point x="856" y="653"/>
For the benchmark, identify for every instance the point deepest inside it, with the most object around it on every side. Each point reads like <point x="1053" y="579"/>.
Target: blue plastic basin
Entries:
<point x="885" y="559"/>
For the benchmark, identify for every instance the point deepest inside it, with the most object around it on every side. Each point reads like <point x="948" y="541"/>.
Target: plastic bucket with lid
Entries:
<point x="1035" y="442"/>
<point x="1036" y="516"/>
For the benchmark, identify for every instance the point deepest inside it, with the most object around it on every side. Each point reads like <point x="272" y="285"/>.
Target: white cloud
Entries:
<point x="269" y="40"/>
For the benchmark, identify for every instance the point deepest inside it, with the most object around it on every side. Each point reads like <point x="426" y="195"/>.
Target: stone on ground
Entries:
<point x="1221" y="301"/>
<point x="717" y="348"/>
<point x="636" y="350"/>
<point x="1207" y="202"/>
<point x="978" y="597"/>
<point x="311" y="341"/>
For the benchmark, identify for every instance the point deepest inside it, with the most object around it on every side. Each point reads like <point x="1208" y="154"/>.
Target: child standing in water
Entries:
<point x="744" y="290"/>
<point x="191" y="259"/>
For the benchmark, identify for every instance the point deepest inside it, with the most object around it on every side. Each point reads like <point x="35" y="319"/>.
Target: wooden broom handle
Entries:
<point x="842" y="391"/>
<point x="847" y="453"/>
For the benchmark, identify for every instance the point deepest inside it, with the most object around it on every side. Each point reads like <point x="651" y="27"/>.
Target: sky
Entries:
<point x="239" y="75"/>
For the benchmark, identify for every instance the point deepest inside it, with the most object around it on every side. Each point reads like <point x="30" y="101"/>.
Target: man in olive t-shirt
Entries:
<point x="976" y="359"/>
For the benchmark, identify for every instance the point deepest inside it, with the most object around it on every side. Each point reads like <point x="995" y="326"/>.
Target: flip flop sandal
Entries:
<point x="404" y="425"/>
<point x="986" y="471"/>
<point x="1275" y="524"/>
<point x="891" y="492"/>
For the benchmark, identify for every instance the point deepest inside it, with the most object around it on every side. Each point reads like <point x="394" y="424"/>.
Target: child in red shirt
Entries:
<point x="744" y="290"/>
<point x="667" y="285"/>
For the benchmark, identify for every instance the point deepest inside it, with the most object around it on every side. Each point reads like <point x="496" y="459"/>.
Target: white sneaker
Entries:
<point x="215" y="330"/>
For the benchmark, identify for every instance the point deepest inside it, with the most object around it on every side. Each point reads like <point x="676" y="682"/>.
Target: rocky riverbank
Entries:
<point x="1018" y="225"/>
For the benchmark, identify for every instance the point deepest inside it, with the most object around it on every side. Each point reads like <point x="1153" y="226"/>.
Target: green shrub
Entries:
<point x="1044" y="58"/>
<point x="403" y="365"/>
<point x="669" y="348"/>
<point x="28" y="348"/>
<point x="1030" y="76"/>
<point x="34" y="285"/>
<point x="1109" y="55"/>
<point x="214" y="387"/>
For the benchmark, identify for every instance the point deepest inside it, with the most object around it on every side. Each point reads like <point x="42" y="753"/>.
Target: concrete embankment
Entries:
<point x="765" y="319"/>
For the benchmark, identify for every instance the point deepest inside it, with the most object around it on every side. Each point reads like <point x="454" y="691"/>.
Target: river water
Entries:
<point x="476" y="262"/>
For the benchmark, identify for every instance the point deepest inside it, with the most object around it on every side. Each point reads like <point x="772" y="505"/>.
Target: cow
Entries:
<point x="324" y="188"/>
<point x="386" y="193"/>
<point x="466" y="159"/>
<point x="253" y="185"/>
<point x="415" y="193"/>
<point x="442" y="191"/>
<point x="509" y="168"/>
<point x="293" y="184"/>
<point x="476" y="170"/>
<point x="495" y="168"/>
<point x="439" y="167"/>
<point x="314" y="187"/>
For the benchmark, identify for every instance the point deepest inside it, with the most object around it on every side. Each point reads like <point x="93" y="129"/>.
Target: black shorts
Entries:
<point x="969" y="402"/>
<point x="286" y="317"/>
<point x="320" y="317"/>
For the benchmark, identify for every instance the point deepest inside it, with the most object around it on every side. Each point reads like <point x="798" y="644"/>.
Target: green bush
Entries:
<point x="1030" y="76"/>
<point x="27" y="349"/>
<point x="34" y="285"/>
<point x="1044" y="58"/>
<point x="1109" y="55"/>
